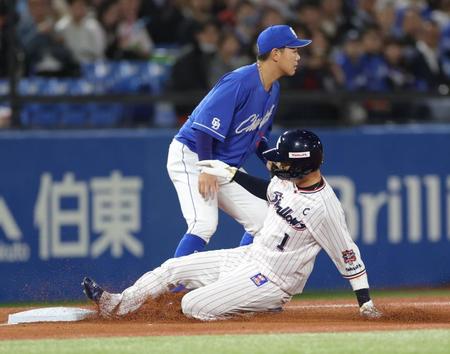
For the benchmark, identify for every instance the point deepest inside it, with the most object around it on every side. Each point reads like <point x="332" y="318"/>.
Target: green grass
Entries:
<point x="315" y="295"/>
<point x="422" y="341"/>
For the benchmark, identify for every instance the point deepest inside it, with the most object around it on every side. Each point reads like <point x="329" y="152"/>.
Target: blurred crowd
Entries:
<point x="358" y="45"/>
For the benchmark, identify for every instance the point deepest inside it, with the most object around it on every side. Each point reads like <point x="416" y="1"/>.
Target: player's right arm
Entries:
<point x="212" y="120"/>
<point x="208" y="185"/>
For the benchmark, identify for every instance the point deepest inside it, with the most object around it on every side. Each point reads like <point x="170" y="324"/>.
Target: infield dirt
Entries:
<point x="163" y="317"/>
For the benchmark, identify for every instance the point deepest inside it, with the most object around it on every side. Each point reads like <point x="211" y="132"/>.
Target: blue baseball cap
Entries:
<point x="279" y="36"/>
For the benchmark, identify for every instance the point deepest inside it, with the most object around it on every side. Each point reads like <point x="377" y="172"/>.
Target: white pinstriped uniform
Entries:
<point x="321" y="225"/>
<point x="264" y="275"/>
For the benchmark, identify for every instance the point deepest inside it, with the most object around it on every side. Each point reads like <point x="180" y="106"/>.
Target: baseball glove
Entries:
<point x="217" y="168"/>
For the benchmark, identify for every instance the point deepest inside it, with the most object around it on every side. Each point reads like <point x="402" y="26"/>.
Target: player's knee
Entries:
<point x="187" y="306"/>
<point x="193" y="306"/>
<point x="203" y="228"/>
<point x="255" y="222"/>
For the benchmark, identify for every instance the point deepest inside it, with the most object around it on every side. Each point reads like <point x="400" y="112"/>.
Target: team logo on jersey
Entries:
<point x="215" y="123"/>
<point x="349" y="256"/>
<point x="259" y="279"/>
<point x="254" y="122"/>
<point x="285" y="212"/>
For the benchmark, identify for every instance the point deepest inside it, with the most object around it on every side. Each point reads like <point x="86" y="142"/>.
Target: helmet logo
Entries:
<point x="299" y="155"/>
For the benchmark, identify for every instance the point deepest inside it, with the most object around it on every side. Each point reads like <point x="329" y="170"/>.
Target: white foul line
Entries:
<point x="394" y="304"/>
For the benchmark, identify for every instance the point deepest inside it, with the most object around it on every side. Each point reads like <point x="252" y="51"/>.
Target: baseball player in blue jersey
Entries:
<point x="229" y="124"/>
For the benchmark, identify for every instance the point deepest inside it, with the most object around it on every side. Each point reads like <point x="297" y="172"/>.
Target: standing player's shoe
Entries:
<point x="92" y="290"/>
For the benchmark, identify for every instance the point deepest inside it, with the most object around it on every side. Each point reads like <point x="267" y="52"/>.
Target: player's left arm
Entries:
<point x="208" y="185"/>
<point x="332" y="235"/>
<point x="215" y="114"/>
<point x="255" y="185"/>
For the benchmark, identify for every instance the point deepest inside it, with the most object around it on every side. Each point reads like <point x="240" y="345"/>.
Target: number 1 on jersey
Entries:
<point x="283" y="242"/>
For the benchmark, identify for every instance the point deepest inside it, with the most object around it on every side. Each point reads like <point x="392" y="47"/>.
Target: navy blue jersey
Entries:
<point x="237" y="112"/>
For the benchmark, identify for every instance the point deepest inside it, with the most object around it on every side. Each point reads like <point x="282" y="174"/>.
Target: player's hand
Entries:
<point x="217" y="168"/>
<point x="208" y="186"/>
<point x="368" y="310"/>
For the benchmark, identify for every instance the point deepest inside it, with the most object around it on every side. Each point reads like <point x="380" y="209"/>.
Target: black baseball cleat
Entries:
<point x="92" y="290"/>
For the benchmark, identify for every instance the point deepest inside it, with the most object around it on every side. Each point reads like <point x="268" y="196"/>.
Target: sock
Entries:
<point x="363" y="296"/>
<point x="189" y="244"/>
<point x="247" y="239"/>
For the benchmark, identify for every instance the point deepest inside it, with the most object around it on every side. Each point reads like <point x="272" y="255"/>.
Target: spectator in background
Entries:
<point x="164" y="19"/>
<point x="270" y="17"/>
<point x="375" y="71"/>
<point x="335" y="19"/>
<point x="317" y="72"/>
<point x="96" y="3"/>
<point x="310" y="15"/>
<point x="350" y="75"/>
<point x="227" y="14"/>
<point x="386" y="17"/>
<point x="61" y="8"/>
<point x="227" y="57"/>
<point x="314" y="75"/>
<point x="133" y="39"/>
<point x="399" y="77"/>
<point x="441" y="14"/>
<point x="108" y="15"/>
<point x="45" y="52"/>
<point x="426" y="63"/>
<point x="444" y="49"/>
<point x="373" y="63"/>
<point x="349" y="63"/>
<point x="4" y="40"/>
<point x="192" y="68"/>
<point x="429" y="71"/>
<point x="364" y="15"/>
<point x="195" y="13"/>
<point x="246" y="27"/>
<point x="410" y="26"/>
<point x="81" y="33"/>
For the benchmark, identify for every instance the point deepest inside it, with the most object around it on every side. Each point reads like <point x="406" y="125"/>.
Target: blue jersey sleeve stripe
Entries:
<point x="210" y="130"/>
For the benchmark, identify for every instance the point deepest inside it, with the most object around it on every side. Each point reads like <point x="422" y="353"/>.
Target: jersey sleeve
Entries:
<point x="331" y="233"/>
<point x="217" y="110"/>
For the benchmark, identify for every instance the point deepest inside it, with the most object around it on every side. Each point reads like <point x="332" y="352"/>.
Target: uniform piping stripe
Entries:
<point x="305" y="191"/>
<point x="204" y="126"/>
<point x="354" y="276"/>
<point x="190" y="192"/>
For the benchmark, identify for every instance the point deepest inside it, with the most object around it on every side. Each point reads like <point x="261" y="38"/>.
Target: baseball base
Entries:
<point x="51" y="314"/>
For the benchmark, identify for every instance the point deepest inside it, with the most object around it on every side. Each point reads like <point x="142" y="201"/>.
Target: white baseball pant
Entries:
<point x="202" y="216"/>
<point x="223" y="285"/>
